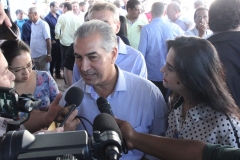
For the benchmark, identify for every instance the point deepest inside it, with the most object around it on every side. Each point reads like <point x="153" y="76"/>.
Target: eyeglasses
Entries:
<point x="19" y="70"/>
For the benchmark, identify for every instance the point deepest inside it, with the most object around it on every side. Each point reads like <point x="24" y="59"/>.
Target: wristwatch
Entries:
<point x="49" y="55"/>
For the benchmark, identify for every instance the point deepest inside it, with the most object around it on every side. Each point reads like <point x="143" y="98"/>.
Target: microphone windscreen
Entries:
<point x="105" y="122"/>
<point x="74" y="96"/>
<point x="103" y="104"/>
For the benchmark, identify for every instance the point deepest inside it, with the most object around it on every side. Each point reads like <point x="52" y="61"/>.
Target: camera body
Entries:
<point x="8" y="103"/>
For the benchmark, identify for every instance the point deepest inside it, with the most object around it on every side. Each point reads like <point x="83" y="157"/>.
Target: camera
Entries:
<point x="11" y="104"/>
<point x="75" y="145"/>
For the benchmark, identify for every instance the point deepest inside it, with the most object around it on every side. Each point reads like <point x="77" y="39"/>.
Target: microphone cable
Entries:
<point x="84" y="126"/>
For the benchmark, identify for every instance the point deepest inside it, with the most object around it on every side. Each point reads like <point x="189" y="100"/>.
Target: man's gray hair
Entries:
<point x="109" y="40"/>
<point x="105" y="6"/>
<point x="34" y="10"/>
<point x="177" y="6"/>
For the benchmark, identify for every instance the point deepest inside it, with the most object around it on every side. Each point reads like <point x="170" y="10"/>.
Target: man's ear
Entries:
<point x="118" y="26"/>
<point x="114" y="54"/>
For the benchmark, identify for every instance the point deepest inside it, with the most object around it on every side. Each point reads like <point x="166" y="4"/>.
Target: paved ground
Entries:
<point x="61" y="85"/>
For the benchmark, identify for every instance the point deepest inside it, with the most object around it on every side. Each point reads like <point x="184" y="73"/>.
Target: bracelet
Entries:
<point x="49" y="55"/>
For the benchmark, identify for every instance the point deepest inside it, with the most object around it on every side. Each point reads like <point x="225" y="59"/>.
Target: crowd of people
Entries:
<point x="165" y="76"/>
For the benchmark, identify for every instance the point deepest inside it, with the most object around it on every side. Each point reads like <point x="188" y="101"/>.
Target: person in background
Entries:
<point x="153" y="44"/>
<point x="135" y="22"/>
<point x="26" y="32"/>
<point x="51" y="19"/>
<point x="40" y="42"/>
<point x="201" y="20"/>
<point x="199" y="3"/>
<point x="225" y="24"/>
<point x="38" y="83"/>
<point x="60" y="9"/>
<point x="65" y="28"/>
<point x="123" y="30"/>
<point x="20" y="20"/>
<point x="201" y="106"/>
<point x="174" y="13"/>
<point x="83" y="7"/>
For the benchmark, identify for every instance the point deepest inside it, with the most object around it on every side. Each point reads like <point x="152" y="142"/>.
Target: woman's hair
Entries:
<point x="199" y="68"/>
<point x="123" y="26"/>
<point x="12" y="49"/>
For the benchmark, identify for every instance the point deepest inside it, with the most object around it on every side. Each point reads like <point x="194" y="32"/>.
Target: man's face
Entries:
<point x="6" y="77"/>
<point x="96" y="66"/>
<point x="106" y="16"/>
<point x="31" y="16"/>
<point x="135" y="12"/>
<point x="171" y="13"/>
<point x="83" y="8"/>
<point x="75" y="7"/>
<point x="201" y="18"/>
<point x="55" y="8"/>
<point x="20" y="15"/>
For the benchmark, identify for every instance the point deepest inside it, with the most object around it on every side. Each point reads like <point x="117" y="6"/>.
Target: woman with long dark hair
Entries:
<point x="202" y="106"/>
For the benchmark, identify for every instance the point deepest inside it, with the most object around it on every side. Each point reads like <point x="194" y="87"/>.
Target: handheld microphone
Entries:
<point x="107" y="133"/>
<point x="73" y="97"/>
<point x="104" y="106"/>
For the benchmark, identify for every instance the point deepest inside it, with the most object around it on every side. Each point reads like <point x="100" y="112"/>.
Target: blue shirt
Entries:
<point x="153" y="45"/>
<point x="129" y="59"/>
<point x="26" y="32"/>
<point x="52" y="21"/>
<point x="134" y="99"/>
<point x="20" y="23"/>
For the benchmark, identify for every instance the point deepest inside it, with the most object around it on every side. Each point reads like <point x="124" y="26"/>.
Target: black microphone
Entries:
<point x="73" y="97"/>
<point x="107" y="133"/>
<point x="104" y="106"/>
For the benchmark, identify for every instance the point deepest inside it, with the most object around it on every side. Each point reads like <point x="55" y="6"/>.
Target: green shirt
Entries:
<point x="134" y="30"/>
<point x="218" y="152"/>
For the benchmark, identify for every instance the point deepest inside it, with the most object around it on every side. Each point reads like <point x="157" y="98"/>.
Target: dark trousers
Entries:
<point x="56" y="58"/>
<point x="165" y="91"/>
<point x="63" y="52"/>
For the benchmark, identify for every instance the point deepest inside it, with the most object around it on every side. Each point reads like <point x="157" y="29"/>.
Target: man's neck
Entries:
<point x="131" y="19"/>
<point x="106" y="89"/>
<point x="54" y="13"/>
<point x="77" y="13"/>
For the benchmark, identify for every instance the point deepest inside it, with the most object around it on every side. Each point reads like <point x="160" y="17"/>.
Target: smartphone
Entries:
<point x="8" y="103"/>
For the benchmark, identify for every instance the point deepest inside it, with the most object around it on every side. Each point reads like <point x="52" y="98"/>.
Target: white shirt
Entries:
<point x="204" y="124"/>
<point x="195" y="32"/>
<point x="40" y="32"/>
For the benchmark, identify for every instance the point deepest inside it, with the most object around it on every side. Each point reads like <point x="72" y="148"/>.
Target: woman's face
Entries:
<point x="22" y="67"/>
<point x="171" y="80"/>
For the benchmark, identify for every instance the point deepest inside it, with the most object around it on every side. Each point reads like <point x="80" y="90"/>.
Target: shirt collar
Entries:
<point x="122" y="48"/>
<point x="197" y="113"/>
<point x="51" y="15"/>
<point x="39" y="19"/>
<point x="120" y="86"/>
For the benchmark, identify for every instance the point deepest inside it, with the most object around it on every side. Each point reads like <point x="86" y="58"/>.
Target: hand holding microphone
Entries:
<point x="73" y="97"/>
